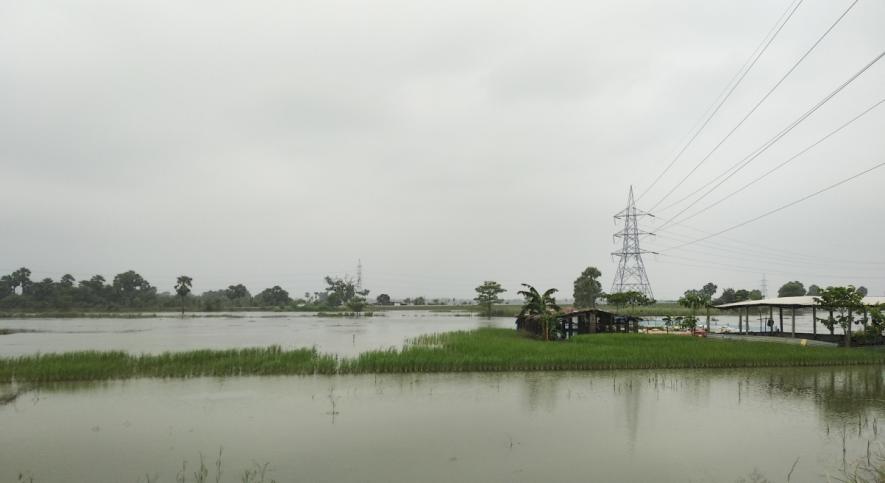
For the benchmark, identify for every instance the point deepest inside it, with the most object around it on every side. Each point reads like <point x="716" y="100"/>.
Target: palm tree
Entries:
<point x="182" y="288"/>
<point x="540" y="305"/>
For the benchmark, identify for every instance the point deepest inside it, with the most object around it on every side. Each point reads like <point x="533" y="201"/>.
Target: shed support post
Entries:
<point x="748" y="320"/>
<point x="740" y="322"/>
<point x="793" y="327"/>
<point x="771" y="318"/>
<point x="780" y="311"/>
<point x="814" y="320"/>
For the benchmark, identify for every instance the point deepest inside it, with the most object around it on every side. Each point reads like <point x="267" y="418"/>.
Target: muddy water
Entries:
<point x="700" y="425"/>
<point x="340" y="335"/>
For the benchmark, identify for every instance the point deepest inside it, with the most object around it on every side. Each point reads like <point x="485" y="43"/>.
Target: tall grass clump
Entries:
<point x="507" y="350"/>
<point x="93" y="365"/>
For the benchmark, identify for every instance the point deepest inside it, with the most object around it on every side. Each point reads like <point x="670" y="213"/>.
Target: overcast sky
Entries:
<point x="442" y="143"/>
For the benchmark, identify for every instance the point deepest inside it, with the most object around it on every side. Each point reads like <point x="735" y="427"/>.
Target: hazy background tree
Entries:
<point x="487" y="296"/>
<point x="587" y="288"/>
<point x="273" y="297"/>
<point x="813" y="290"/>
<point x="709" y="290"/>
<point x="791" y="289"/>
<point x="383" y="299"/>
<point x="630" y="299"/>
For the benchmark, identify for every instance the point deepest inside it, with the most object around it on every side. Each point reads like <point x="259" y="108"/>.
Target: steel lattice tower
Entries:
<point x="631" y="274"/>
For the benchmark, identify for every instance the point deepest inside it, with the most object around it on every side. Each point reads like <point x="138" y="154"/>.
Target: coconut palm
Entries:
<point x="541" y="305"/>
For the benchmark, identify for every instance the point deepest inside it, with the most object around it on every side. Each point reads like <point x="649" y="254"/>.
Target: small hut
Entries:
<point x="590" y="321"/>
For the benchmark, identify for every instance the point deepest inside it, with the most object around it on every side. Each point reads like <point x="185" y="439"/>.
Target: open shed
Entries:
<point x="775" y="327"/>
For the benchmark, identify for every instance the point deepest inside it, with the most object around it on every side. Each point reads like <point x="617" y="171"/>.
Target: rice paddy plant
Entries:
<point x="506" y="350"/>
<point x="92" y="365"/>
<point x="479" y="350"/>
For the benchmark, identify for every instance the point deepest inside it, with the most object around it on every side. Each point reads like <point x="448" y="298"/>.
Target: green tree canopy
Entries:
<point x="487" y="295"/>
<point x="709" y="290"/>
<point x="844" y="302"/>
<point x="791" y="289"/>
<point x="383" y="299"/>
<point x="813" y="290"/>
<point x="541" y="305"/>
<point x="588" y="288"/>
<point x="274" y="296"/>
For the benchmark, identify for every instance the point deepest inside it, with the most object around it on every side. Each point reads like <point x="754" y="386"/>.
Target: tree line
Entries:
<point x="131" y="291"/>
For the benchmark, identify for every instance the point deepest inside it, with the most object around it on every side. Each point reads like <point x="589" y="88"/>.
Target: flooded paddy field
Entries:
<point x="676" y="425"/>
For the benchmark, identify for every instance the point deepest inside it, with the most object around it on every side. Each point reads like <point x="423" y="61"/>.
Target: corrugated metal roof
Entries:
<point x="803" y="301"/>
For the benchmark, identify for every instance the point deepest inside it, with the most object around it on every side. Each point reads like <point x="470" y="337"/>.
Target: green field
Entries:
<point x="474" y="351"/>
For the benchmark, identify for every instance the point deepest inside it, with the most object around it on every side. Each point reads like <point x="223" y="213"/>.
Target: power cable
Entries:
<point x="734" y="169"/>
<point x="759" y="103"/>
<point x="780" y="208"/>
<point x="727" y="91"/>
<point x="789" y="160"/>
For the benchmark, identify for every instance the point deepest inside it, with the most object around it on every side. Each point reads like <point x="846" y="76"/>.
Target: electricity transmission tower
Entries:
<point x="631" y="274"/>
<point x="764" y="287"/>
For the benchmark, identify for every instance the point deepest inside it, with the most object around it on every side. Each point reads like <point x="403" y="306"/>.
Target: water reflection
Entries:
<point x="699" y="425"/>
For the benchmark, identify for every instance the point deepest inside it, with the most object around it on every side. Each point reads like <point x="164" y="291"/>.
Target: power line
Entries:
<point x="780" y="208"/>
<point x="789" y="160"/>
<point x="750" y="158"/>
<point x="727" y="91"/>
<point x="777" y="251"/>
<point x="759" y="103"/>
<point x="744" y="268"/>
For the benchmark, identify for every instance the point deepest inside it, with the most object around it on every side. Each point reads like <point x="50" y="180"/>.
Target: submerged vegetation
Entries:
<point x="471" y="351"/>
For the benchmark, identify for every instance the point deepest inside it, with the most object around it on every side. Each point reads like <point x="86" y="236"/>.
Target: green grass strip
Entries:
<point x="481" y="350"/>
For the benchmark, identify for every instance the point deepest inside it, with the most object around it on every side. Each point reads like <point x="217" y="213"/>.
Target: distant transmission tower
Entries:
<point x="764" y="287"/>
<point x="359" y="275"/>
<point x="631" y="274"/>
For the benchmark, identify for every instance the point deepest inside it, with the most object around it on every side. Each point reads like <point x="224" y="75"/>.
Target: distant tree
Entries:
<point x="419" y="301"/>
<point x="43" y="291"/>
<point x="844" y="301"/>
<point x="237" y="292"/>
<point x="487" y="296"/>
<point x="383" y="299"/>
<point x="729" y="296"/>
<point x="67" y="281"/>
<point x="131" y="289"/>
<point x="183" y="288"/>
<point x="407" y="301"/>
<point x="813" y="290"/>
<point x="694" y="300"/>
<point x="6" y="286"/>
<point x="21" y="278"/>
<point x="587" y="288"/>
<point x="741" y="295"/>
<point x="341" y="291"/>
<point x="540" y="305"/>
<point x="273" y="297"/>
<point x="709" y="290"/>
<point x="791" y="289"/>
<point x="356" y="304"/>
<point x="755" y="294"/>
<point x="862" y="291"/>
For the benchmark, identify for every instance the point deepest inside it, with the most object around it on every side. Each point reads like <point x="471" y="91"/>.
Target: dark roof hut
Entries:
<point x="590" y="321"/>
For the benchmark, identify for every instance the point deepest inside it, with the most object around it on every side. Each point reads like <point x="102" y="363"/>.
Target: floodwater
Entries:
<point x="334" y="335"/>
<point x="677" y="425"/>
